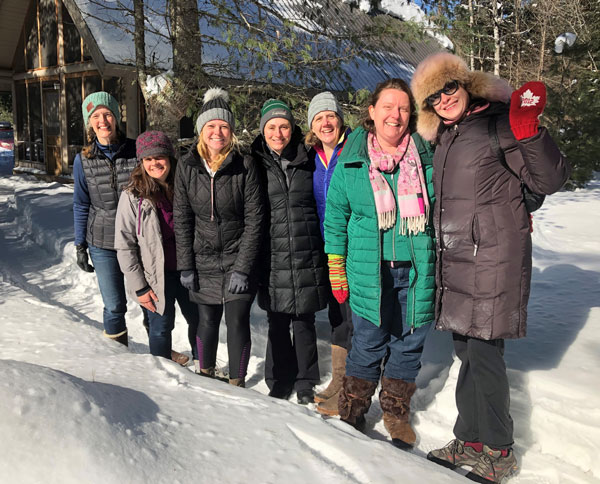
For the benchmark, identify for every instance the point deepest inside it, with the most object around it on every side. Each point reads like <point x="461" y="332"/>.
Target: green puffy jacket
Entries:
<point x="351" y="230"/>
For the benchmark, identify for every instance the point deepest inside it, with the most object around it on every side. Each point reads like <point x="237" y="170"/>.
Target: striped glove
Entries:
<point x="337" y="277"/>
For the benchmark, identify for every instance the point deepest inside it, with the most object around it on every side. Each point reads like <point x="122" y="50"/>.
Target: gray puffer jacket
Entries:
<point x="482" y="227"/>
<point x="138" y="242"/>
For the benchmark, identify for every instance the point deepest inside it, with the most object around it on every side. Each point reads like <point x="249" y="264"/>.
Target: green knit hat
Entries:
<point x="274" y="108"/>
<point x="97" y="99"/>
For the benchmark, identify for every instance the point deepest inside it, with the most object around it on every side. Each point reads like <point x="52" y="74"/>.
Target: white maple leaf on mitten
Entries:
<point x="528" y="99"/>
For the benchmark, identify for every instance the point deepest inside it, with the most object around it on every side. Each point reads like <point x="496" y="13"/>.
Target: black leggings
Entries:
<point x="237" y="319"/>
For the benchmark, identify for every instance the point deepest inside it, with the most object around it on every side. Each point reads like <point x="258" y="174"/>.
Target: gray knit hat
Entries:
<point x="97" y="99"/>
<point x="274" y="108"/>
<point x="324" y="101"/>
<point x="216" y="106"/>
<point x="153" y="143"/>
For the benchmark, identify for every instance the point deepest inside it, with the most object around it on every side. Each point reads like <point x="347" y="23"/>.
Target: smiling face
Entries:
<point x="157" y="167"/>
<point x="104" y="124"/>
<point x="327" y="126"/>
<point x="390" y="115"/>
<point x="216" y="135"/>
<point x="278" y="133"/>
<point x="452" y="106"/>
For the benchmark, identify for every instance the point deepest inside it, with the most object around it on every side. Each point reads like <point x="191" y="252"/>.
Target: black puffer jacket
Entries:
<point x="218" y="223"/>
<point x="294" y="280"/>
<point x="482" y="227"/>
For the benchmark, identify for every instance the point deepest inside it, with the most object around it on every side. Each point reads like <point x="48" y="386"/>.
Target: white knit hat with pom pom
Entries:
<point x="216" y="106"/>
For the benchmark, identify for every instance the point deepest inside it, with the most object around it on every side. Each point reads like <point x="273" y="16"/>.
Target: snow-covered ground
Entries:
<point x="76" y="407"/>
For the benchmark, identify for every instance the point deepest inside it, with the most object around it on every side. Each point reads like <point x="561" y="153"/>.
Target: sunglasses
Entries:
<point x="448" y="89"/>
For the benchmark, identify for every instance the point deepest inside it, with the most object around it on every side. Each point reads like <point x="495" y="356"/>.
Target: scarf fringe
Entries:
<point x="386" y="220"/>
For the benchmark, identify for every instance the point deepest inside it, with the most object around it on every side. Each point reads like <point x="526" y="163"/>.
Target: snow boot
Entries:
<point x="304" y="397"/>
<point x="179" y="358"/>
<point x="208" y="372"/>
<point x="281" y="390"/>
<point x="455" y="453"/>
<point x="354" y="400"/>
<point x="338" y="370"/>
<point x="330" y="407"/>
<point x="238" y="382"/>
<point x="394" y="399"/>
<point x="119" y="337"/>
<point x="493" y="466"/>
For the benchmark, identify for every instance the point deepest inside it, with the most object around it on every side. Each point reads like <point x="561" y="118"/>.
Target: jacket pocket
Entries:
<point x="475" y="234"/>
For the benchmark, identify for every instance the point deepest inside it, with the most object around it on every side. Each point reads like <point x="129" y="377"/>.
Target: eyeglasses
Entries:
<point x="448" y="89"/>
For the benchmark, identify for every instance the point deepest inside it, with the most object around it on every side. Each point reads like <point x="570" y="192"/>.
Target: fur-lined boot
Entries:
<point x="394" y="399"/>
<point x="355" y="400"/>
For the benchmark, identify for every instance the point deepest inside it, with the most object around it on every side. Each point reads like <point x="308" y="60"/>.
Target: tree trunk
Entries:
<point x="497" y="18"/>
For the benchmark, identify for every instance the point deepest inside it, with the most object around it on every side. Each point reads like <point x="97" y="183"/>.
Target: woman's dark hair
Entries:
<point x="143" y="185"/>
<point x="394" y="83"/>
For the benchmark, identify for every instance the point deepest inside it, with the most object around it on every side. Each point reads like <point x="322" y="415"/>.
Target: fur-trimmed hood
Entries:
<point x="435" y="71"/>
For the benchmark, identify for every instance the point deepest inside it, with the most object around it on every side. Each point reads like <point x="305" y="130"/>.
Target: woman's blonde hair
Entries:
<point x="215" y="164"/>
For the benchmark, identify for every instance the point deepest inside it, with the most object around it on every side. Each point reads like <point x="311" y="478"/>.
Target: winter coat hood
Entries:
<point x="435" y="71"/>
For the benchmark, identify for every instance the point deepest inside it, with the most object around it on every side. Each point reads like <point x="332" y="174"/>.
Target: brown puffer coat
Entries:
<point x="483" y="241"/>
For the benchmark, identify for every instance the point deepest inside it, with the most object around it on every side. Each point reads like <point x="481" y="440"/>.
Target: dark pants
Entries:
<point x="340" y="318"/>
<point x="293" y="360"/>
<point x="161" y="325"/>
<point x="237" y="319"/>
<point x="395" y="342"/>
<point x="482" y="393"/>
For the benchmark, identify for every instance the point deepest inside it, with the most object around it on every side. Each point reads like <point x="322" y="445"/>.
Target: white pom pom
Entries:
<point x="215" y="92"/>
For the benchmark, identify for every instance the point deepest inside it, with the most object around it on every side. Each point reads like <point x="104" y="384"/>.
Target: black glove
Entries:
<point x="238" y="283"/>
<point x="189" y="280"/>
<point x="82" y="258"/>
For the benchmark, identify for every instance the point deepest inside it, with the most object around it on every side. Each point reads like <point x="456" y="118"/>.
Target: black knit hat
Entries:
<point x="216" y="106"/>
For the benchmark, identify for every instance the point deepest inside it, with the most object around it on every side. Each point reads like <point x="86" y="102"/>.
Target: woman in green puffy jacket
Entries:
<point x="378" y="231"/>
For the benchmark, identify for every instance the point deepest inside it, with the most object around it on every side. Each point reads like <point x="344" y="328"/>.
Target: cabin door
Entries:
<point x="52" y="131"/>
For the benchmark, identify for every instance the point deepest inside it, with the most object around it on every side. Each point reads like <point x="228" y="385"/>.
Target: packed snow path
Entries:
<point x="80" y="408"/>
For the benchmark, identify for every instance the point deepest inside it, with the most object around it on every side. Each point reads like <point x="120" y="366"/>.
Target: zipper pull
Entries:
<point x="475" y="250"/>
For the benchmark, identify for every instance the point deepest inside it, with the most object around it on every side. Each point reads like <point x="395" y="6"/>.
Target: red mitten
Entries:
<point x="526" y="105"/>
<point x="337" y="277"/>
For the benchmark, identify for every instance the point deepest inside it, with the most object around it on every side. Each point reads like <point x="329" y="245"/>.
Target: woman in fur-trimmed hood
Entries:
<point x="483" y="237"/>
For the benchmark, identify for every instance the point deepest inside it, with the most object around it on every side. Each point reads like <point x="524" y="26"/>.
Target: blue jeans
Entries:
<point x="161" y="325"/>
<point x="394" y="342"/>
<point x="112" y="288"/>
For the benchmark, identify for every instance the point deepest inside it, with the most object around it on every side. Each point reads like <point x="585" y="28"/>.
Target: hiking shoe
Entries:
<point x="492" y="466"/>
<point x="455" y="454"/>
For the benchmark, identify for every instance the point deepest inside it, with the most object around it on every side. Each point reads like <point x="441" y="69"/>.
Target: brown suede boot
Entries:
<point x="238" y="382"/>
<point x="330" y="407"/>
<point x="179" y="358"/>
<point x="338" y="370"/>
<point x="355" y="400"/>
<point x="394" y="399"/>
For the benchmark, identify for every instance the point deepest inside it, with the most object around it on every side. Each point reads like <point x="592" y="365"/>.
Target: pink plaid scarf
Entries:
<point x="412" y="192"/>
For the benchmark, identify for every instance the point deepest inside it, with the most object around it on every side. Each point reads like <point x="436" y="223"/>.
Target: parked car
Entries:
<point x="6" y="136"/>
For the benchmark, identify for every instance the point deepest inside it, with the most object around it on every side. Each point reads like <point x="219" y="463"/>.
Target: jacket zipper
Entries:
<point x="278" y="173"/>
<point x="474" y="238"/>
<point x="412" y="289"/>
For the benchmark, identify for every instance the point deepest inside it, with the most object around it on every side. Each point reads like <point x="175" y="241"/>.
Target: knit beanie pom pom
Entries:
<point x="214" y="93"/>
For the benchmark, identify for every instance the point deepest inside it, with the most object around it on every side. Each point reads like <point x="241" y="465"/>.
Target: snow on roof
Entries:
<point x="378" y="60"/>
<point x="406" y="10"/>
